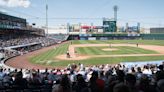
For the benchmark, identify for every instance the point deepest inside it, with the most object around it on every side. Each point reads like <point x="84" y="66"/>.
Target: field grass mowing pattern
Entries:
<point x="120" y="50"/>
<point x="148" y="42"/>
<point x="108" y="60"/>
<point x="49" y="55"/>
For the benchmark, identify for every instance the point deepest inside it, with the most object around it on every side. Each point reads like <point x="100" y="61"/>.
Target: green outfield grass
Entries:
<point x="109" y="60"/>
<point x="148" y="42"/>
<point x="47" y="58"/>
<point x="120" y="50"/>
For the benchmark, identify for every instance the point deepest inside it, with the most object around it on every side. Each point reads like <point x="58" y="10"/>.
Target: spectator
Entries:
<point x="19" y="81"/>
<point x="147" y="70"/>
<point x="130" y="81"/>
<point x="144" y="84"/>
<point x="121" y="88"/>
<point x="80" y="85"/>
<point x="160" y="74"/>
<point x="35" y="79"/>
<point x="96" y="84"/>
<point x="160" y="85"/>
<point x="111" y="83"/>
<point x="1" y="74"/>
<point x="120" y="75"/>
<point x="63" y="86"/>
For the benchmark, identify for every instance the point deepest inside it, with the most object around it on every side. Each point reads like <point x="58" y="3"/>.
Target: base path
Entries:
<point x="23" y="61"/>
<point x="75" y="56"/>
<point x="109" y="49"/>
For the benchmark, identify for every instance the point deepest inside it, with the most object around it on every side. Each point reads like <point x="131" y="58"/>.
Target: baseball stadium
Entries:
<point x="30" y="48"/>
<point x="86" y="58"/>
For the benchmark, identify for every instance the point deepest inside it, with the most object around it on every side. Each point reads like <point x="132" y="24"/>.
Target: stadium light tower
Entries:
<point x="115" y="8"/>
<point x="47" y="16"/>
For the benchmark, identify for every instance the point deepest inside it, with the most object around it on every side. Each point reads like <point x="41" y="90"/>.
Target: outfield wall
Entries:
<point x="152" y="36"/>
<point x="115" y="36"/>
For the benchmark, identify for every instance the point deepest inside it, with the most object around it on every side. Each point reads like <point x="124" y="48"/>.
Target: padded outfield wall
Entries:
<point x="115" y="37"/>
<point x="152" y="36"/>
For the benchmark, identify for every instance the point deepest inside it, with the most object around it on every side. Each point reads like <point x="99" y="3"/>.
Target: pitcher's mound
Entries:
<point x="109" y="49"/>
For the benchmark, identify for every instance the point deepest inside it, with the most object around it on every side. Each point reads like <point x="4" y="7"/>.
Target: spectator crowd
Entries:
<point x="80" y="78"/>
<point x="76" y="77"/>
<point x="13" y="46"/>
<point x="26" y="40"/>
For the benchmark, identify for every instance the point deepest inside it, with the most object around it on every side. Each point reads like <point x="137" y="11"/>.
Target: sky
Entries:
<point x="149" y="13"/>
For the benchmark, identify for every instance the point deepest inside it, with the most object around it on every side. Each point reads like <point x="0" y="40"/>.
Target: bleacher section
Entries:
<point x="59" y="37"/>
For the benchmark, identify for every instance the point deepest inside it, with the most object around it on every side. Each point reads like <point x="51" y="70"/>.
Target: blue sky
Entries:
<point x="148" y="12"/>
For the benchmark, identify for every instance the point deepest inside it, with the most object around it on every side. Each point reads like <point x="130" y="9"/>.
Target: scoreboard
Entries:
<point x="109" y="26"/>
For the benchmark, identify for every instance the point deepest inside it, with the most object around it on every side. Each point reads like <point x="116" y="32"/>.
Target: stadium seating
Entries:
<point x="80" y="78"/>
<point x="139" y="77"/>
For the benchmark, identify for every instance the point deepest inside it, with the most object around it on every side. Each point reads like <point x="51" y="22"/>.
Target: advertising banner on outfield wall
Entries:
<point x="85" y="35"/>
<point x="91" y="38"/>
<point x="83" y="38"/>
<point x="103" y="38"/>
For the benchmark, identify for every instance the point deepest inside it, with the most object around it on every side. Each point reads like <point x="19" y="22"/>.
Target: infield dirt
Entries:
<point x="23" y="61"/>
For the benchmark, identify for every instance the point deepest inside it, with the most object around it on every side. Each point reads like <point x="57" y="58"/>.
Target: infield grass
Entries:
<point x="120" y="50"/>
<point x="48" y="57"/>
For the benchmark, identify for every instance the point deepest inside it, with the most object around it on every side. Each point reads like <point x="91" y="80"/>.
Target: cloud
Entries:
<point x="3" y="10"/>
<point x="15" y="3"/>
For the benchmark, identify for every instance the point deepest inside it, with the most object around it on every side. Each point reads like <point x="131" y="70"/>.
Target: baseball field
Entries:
<point x="100" y="52"/>
<point x="93" y="53"/>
